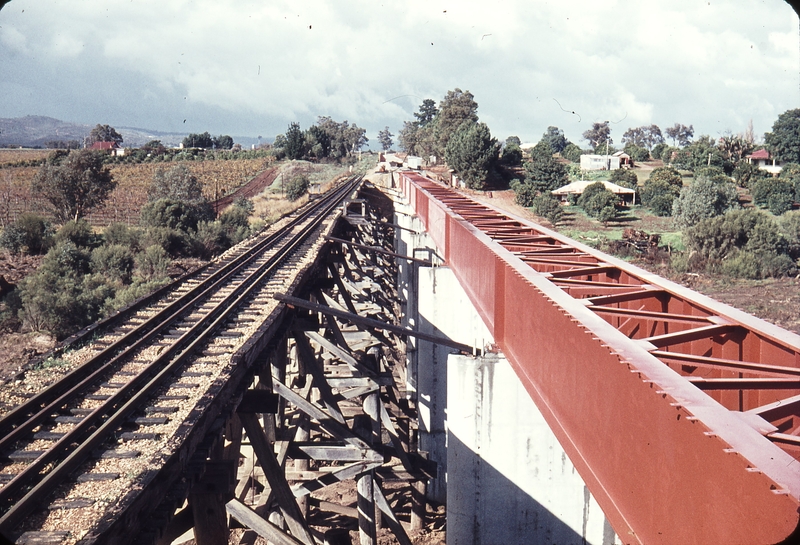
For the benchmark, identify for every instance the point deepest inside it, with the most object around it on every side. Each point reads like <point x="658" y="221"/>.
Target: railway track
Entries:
<point x="103" y="424"/>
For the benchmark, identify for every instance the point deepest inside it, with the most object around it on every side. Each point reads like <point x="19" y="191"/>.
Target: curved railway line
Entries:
<point x="102" y="421"/>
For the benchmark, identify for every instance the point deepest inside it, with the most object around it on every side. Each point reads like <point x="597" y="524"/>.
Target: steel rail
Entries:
<point x="127" y="400"/>
<point x="23" y="418"/>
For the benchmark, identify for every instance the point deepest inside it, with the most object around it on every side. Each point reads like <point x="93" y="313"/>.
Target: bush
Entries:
<point x="774" y="193"/>
<point x="705" y="198"/>
<point x="637" y="153"/>
<point x="524" y="193"/>
<point x="78" y="232"/>
<point x="547" y="206"/>
<point x="297" y="187"/>
<point x="545" y="174"/>
<point x="60" y="296"/>
<point x="625" y="178"/>
<point x="172" y="241"/>
<point x="746" y="174"/>
<point x="114" y="261"/>
<point x="174" y="214"/>
<point x="120" y="233"/>
<point x="598" y="202"/>
<point x="742" y="243"/>
<point x="790" y="229"/>
<point x="152" y="264"/>
<point x="211" y="239"/>
<point x="30" y="234"/>
<point x="658" y="195"/>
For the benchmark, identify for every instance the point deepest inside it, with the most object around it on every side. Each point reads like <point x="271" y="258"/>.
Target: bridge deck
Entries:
<point x="682" y="414"/>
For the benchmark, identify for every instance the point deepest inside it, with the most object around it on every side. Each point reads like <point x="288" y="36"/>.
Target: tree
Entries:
<point x="385" y="139"/>
<point x="203" y="140"/>
<point x="701" y="153"/>
<point x="104" y="133"/>
<point x="457" y="107"/>
<point x="555" y="138"/>
<point x="29" y="233"/>
<point x="572" y="153"/>
<point x="734" y="147"/>
<point x="223" y="141"/>
<point x="177" y="184"/>
<point x="747" y="174"/>
<point x="625" y="178"/>
<point x="472" y="152"/>
<point x="776" y="194"/>
<point x="76" y="186"/>
<point x="318" y="143"/>
<point x="547" y="206"/>
<point x="427" y="113"/>
<point x="598" y="202"/>
<point x="154" y="147"/>
<point x="546" y="174"/>
<point x="600" y="133"/>
<point x="658" y="195"/>
<point x="784" y="140"/>
<point x="295" y="141"/>
<point x="542" y="151"/>
<point x="512" y="152"/>
<point x="645" y="136"/>
<point x="705" y="198"/>
<point x="680" y="133"/>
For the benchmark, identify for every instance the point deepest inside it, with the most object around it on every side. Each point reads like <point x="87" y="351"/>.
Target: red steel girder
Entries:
<point x="668" y="462"/>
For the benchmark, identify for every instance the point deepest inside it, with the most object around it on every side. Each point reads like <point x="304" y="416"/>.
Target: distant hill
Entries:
<point x="36" y="131"/>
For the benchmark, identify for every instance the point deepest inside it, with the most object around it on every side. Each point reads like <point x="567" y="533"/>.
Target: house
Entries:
<point x="763" y="160"/>
<point x="111" y="147"/>
<point x="577" y="188"/>
<point x="600" y="162"/>
<point x="625" y="160"/>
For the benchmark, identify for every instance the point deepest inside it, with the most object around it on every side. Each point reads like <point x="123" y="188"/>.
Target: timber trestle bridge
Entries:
<point x="270" y="396"/>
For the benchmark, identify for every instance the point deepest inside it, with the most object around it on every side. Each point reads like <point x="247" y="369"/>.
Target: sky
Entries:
<point x="250" y="67"/>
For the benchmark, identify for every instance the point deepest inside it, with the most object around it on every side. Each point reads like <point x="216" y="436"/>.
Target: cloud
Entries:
<point x="251" y="67"/>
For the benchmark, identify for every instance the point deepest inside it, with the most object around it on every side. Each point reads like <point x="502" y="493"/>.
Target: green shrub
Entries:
<point x="746" y="174"/>
<point x="572" y="153"/>
<point x="297" y="187"/>
<point x="174" y="242"/>
<point x="658" y="195"/>
<point x="78" y="232"/>
<point x="625" y="178"/>
<point x="547" y="206"/>
<point x="60" y="296"/>
<point x="705" y="198"/>
<point x="211" y="239"/>
<point x="30" y="234"/>
<point x="152" y="264"/>
<point x="658" y="150"/>
<point x="598" y="202"/>
<point x="790" y="228"/>
<point x="524" y="193"/>
<point x="175" y="214"/>
<point x="120" y="233"/>
<point x="776" y="194"/>
<point x="114" y="261"/>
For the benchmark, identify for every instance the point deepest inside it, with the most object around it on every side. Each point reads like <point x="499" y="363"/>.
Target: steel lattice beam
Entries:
<point x="616" y="373"/>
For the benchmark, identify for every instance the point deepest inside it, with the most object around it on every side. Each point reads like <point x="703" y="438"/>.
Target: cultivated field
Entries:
<point x="218" y="178"/>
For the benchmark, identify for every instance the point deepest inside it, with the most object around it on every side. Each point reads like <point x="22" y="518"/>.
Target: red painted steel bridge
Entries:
<point x="681" y="414"/>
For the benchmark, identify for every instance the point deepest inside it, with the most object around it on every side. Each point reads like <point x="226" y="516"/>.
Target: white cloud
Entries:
<point x="250" y="63"/>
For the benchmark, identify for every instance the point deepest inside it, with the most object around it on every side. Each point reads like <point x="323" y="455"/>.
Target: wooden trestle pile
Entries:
<point x="325" y="418"/>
